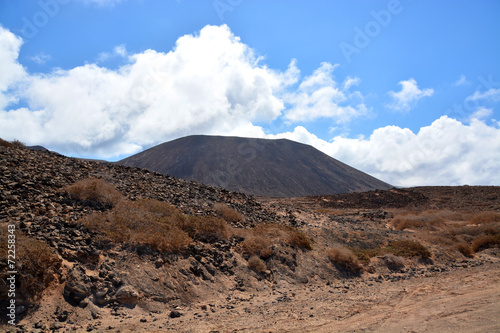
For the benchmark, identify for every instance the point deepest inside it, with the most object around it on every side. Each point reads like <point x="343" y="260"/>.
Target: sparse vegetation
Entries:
<point x="364" y="255"/>
<point x="465" y="232"/>
<point x="4" y="143"/>
<point x="423" y="220"/>
<point x="344" y="259"/>
<point x="257" y="264"/>
<point x="94" y="192"/>
<point x="298" y="239"/>
<point x="259" y="240"/>
<point x="465" y="249"/>
<point x="227" y="213"/>
<point x="156" y="224"/>
<point x="408" y="248"/>
<point x="393" y="262"/>
<point x="18" y="143"/>
<point x="485" y="242"/>
<point x="485" y="218"/>
<point x="37" y="262"/>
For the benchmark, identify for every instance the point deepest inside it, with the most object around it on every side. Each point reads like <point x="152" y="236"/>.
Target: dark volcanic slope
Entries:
<point x="254" y="166"/>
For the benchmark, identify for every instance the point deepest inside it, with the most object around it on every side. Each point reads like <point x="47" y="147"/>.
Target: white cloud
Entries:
<point x="447" y="152"/>
<point x="461" y="81"/>
<point x="12" y="73"/>
<point x="118" y="51"/>
<point x="318" y="96"/>
<point x="408" y="97"/>
<point x="491" y="94"/>
<point x="209" y="83"/>
<point x="41" y="58"/>
<point x="481" y="113"/>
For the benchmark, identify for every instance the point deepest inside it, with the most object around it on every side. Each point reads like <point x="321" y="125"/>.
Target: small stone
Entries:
<point x="175" y="314"/>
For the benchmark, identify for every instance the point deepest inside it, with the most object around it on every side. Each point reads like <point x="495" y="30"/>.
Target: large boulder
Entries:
<point x="77" y="286"/>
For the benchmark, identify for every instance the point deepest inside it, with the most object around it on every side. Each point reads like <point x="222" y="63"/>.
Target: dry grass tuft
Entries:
<point x="206" y="228"/>
<point x="94" y="192"/>
<point x="329" y="211"/>
<point x="393" y="262"/>
<point x="344" y="259"/>
<point x="228" y="213"/>
<point x="485" y="242"/>
<point x="260" y="239"/>
<point x="465" y="249"/>
<point x="408" y="248"/>
<point x="424" y="220"/>
<point x="365" y="255"/>
<point x="485" y="218"/>
<point x="257" y="264"/>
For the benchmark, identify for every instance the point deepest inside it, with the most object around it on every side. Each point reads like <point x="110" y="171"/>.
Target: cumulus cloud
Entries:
<point x="447" y="152"/>
<point x="209" y="83"/>
<point x="319" y="96"/>
<point x="212" y="83"/>
<point x="408" y="97"/>
<point x="12" y="72"/>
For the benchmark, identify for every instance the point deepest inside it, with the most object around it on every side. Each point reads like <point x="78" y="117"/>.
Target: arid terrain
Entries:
<point x="107" y="248"/>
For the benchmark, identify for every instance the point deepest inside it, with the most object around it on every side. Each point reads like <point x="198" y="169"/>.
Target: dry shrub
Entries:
<point x="485" y="218"/>
<point x="427" y="220"/>
<point x="260" y="239"/>
<point x="408" y="248"/>
<point x="438" y="238"/>
<point x="365" y="255"/>
<point x="344" y="259"/>
<point x="299" y="239"/>
<point x="228" y="213"/>
<point x="257" y="264"/>
<point x="36" y="263"/>
<point x="485" y="242"/>
<point x="95" y="192"/>
<point x="148" y="222"/>
<point x="18" y="143"/>
<point x="205" y="228"/>
<point x="5" y="144"/>
<point x="393" y="262"/>
<point x="329" y="211"/>
<point x="465" y="249"/>
<point x="156" y="224"/>
<point x="257" y="245"/>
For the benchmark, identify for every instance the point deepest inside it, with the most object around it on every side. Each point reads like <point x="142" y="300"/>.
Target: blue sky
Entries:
<point x="408" y="91"/>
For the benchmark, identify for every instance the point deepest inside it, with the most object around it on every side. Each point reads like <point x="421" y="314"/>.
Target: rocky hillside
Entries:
<point x="280" y="168"/>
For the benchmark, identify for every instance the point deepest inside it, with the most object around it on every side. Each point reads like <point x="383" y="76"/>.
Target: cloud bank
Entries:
<point x="447" y="152"/>
<point x="212" y="83"/>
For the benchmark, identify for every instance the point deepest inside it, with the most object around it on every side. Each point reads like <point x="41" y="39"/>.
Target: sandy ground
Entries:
<point x="464" y="300"/>
<point x="460" y="300"/>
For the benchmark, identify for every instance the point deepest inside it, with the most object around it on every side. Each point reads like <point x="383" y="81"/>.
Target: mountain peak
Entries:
<point x="264" y="167"/>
